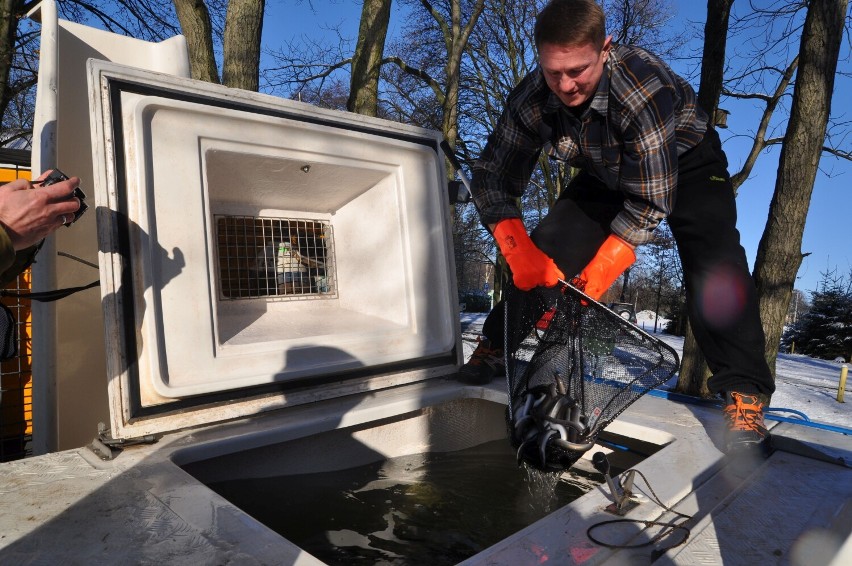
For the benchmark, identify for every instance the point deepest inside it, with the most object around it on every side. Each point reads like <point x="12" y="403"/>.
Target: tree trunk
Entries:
<point x="366" y="60"/>
<point x="8" y="30"/>
<point x="241" y="48"/>
<point x="713" y="56"/>
<point x="779" y="254"/>
<point x="195" y="24"/>
<point x="694" y="372"/>
<point x="625" y="283"/>
<point x="456" y="37"/>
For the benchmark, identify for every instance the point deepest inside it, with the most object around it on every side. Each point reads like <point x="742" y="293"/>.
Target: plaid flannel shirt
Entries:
<point x="641" y="118"/>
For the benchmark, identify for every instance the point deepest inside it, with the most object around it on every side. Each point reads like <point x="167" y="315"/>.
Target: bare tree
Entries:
<point x="770" y="66"/>
<point x="500" y="53"/>
<point x="644" y="23"/>
<point x="19" y="43"/>
<point x="765" y="72"/>
<point x="18" y="71"/>
<point x="713" y="58"/>
<point x="798" y="306"/>
<point x="305" y="66"/>
<point x="447" y="26"/>
<point x="151" y="20"/>
<point x="241" y="49"/>
<point x="195" y="23"/>
<point x="367" y="58"/>
<point x="660" y="259"/>
<point x="694" y="373"/>
<point x="243" y="24"/>
<point x="779" y="254"/>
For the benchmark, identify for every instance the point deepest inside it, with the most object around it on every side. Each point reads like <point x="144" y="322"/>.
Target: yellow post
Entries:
<point x="844" y="369"/>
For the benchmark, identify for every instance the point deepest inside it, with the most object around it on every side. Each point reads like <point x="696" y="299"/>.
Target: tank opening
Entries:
<point x="433" y="486"/>
<point x="429" y="508"/>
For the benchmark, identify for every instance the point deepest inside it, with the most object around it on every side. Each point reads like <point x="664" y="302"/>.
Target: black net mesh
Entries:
<point x="573" y="366"/>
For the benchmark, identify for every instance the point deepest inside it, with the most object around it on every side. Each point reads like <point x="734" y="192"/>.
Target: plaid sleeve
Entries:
<point x="503" y="170"/>
<point x="648" y="173"/>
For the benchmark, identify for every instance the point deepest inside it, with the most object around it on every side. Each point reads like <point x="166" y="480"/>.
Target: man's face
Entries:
<point x="573" y="71"/>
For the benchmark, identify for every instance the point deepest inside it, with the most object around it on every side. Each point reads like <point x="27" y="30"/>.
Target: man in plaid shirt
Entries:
<point x="645" y="152"/>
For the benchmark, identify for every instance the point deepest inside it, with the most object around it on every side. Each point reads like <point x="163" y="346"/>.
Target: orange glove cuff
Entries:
<point x="613" y="257"/>
<point x="530" y="266"/>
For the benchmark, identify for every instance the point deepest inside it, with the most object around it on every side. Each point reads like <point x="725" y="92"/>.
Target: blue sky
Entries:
<point x="827" y="229"/>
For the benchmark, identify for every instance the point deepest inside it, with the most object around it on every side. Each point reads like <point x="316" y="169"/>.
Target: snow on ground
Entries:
<point x="645" y="321"/>
<point x="802" y="384"/>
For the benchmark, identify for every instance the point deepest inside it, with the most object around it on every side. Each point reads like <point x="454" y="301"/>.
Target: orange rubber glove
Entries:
<point x="530" y="266"/>
<point x="613" y="257"/>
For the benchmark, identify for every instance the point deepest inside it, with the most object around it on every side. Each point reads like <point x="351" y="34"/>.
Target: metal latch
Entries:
<point x="622" y="493"/>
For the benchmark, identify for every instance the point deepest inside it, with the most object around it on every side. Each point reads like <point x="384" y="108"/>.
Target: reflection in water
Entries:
<point x="431" y="509"/>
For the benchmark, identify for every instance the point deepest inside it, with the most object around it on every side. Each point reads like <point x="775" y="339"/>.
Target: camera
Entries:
<point x="55" y="177"/>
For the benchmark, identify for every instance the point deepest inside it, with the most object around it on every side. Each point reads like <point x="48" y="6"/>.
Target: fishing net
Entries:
<point x="572" y="367"/>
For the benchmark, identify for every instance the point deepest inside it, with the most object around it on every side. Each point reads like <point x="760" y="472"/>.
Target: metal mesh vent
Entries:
<point x="286" y="258"/>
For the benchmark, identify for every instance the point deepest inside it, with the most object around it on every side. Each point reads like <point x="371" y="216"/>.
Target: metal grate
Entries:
<point x="285" y="258"/>
<point x="16" y="397"/>
<point x="16" y="404"/>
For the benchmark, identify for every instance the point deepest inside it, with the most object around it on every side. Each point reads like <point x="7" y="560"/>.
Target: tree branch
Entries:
<point x="838" y="153"/>
<point x="759" y="142"/>
<point x="434" y="85"/>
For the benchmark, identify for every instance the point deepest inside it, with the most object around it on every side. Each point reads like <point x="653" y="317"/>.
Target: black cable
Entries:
<point x="78" y="259"/>
<point x="671" y="527"/>
<point x="49" y="296"/>
<point x="56" y="294"/>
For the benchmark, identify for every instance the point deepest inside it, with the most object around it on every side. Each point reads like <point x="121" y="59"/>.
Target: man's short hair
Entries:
<point x="570" y="22"/>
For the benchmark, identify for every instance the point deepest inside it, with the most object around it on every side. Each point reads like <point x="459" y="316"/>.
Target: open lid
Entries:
<point x="255" y="247"/>
<point x="254" y="252"/>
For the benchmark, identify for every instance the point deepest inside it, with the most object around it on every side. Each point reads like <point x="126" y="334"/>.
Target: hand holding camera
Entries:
<point x="57" y="176"/>
<point x="28" y="216"/>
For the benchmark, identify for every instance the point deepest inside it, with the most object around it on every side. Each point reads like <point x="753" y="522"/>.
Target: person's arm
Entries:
<point x="501" y="174"/>
<point x="530" y="266"/>
<point x="648" y="177"/>
<point x="611" y="260"/>
<point x="27" y="216"/>
<point x="7" y="251"/>
<point x="648" y="171"/>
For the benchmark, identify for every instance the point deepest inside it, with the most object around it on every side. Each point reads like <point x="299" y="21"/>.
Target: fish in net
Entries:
<point x="572" y="367"/>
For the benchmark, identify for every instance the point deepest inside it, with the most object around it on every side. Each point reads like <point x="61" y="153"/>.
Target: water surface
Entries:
<point x="424" y="509"/>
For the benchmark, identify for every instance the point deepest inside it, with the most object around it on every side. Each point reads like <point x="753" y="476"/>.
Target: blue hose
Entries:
<point x="785" y="410"/>
<point x="810" y="424"/>
<point x="802" y="421"/>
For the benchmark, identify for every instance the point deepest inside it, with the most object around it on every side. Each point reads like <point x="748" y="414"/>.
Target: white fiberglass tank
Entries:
<point x="254" y="252"/>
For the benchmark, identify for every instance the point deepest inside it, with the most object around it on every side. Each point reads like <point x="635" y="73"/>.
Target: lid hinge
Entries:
<point x="108" y="448"/>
